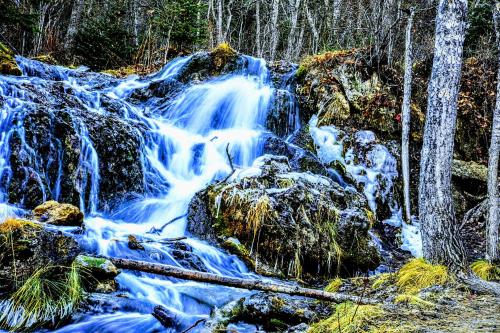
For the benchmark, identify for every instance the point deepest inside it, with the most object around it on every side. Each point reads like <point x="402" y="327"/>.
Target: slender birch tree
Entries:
<point x="492" y="253"/>
<point x="440" y="237"/>
<point x="405" y="151"/>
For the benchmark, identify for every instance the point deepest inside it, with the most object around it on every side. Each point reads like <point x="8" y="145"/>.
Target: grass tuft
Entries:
<point x="417" y="274"/>
<point x="349" y="318"/>
<point x="413" y="300"/>
<point x="383" y="279"/>
<point x="334" y="285"/>
<point x="50" y="294"/>
<point x="12" y="224"/>
<point x="486" y="270"/>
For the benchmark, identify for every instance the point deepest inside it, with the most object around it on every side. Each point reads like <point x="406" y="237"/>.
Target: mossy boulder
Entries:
<point x="295" y="223"/>
<point x="8" y="65"/>
<point x="56" y="213"/>
<point x="26" y="247"/>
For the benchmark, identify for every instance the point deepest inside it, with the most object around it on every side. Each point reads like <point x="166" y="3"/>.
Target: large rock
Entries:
<point x="291" y="223"/>
<point x="8" y="65"/>
<point x="57" y="213"/>
<point x="26" y="247"/>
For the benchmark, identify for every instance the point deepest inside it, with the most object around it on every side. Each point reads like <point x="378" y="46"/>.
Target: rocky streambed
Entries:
<point x="218" y="163"/>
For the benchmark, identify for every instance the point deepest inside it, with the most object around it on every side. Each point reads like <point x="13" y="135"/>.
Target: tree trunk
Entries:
<point x="218" y="23"/>
<point x="181" y="273"/>
<point x="257" y="29"/>
<point x="440" y="238"/>
<point x="492" y="253"/>
<point x="312" y="24"/>
<point x="406" y="116"/>
<point x="74" y="22"/>
<point x="274" y="28"/>
<point x="294" y="5"/>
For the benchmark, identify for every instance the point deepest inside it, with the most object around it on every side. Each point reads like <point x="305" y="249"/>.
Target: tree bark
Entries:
<point x="74" y="22"/>
<point x="406" y="116"/>
<point x="295" y="5"/>
<point x="440" y="239"/>
<point x="492" y="252"/>
<point x="181" y="273"/>
<point x="257" y="29"/>
<point x="274" y="28"/>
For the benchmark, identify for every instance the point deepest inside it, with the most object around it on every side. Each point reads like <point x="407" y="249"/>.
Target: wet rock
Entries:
<point x="299" y="159"/>
<point x="56" y="213"/>
<point x="98" y="274"/>
<point x="8" y="65"/>
<point x="26" y="247"/>
<point x="134" y="244"/>
<point x="288" y="220"/>
<point x="272" y="312"/>
<point x="99" y="268"/>
<point x="183" y="254"/>
<point x="469" y="171"/>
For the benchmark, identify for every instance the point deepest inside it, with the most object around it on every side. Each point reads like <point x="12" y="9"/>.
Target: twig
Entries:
<point x="194" y="325"/>
<point x="159" y="231"/>
<point x="233" y="170"/>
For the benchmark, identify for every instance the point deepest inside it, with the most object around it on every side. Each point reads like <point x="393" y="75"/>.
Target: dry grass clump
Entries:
<point x="417" y="274"/>
<point x="334" y="285"/>
<point x="12" y="224"/>
<point x="50" y="294"/>
<point x="486" y="270"/>
<point x="349" y="318"/>
<point x="413" y="300"/>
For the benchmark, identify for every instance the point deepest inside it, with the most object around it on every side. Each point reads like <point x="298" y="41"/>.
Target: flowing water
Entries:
<point x="183" y="143"/>
<point x="182" y="151"/>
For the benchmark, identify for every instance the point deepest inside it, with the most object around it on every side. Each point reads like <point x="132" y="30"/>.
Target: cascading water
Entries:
<point x="183" y="149"/>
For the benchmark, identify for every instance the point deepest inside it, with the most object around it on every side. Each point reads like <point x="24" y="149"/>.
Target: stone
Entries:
<point x="298" y="223"/>
<point x="26" y="247"/>
<point x="56" y="213"/>
<point x="8" y="65"/>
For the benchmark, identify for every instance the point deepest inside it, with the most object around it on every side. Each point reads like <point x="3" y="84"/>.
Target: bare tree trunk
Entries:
<point x="295" y="5"/>
<point x="257" y="29"/>
<point x="312" y="24"/>
<point x="228" y="22"/>
<point x="492" y="253"/>
<point x="274" y="28"/>
<point x="440" y="238"/>
<point x="181" y="273"/>
<point x="406" y="116"/>
<point x="218" y="23"/>
<point x="74" y="22"/>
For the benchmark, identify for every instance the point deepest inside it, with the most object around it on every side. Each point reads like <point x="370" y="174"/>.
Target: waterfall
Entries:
<point x="183" y="142"/>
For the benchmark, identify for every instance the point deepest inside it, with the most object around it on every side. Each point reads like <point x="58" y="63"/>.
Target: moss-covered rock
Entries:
<point x="8" y="65"/>
<point x="56" y="213"/>
<point x="26" y="247"/>
<point x="301" y="224"/>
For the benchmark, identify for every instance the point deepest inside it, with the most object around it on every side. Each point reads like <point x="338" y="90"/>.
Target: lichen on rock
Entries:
<point x="56" y="213"/>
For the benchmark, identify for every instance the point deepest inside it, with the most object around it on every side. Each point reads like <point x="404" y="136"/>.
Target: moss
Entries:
<point x="12" y="224"/>
<point x="334" y="285"/>
<point x="383" y="279"/>
<point x="349" y="318"/>
<point x="277" y="325"/>
<point x="91" y="261"/>
<point x="8" y="65"/>
<point x="337" y="111"/>
<point x="417" y="274"/>
<point x="223" y="54"/>
<point x="46" y="58"/>
<point x="129" y="70"/>
<point x="486" y="270"/>
<point x="413" y="300"/>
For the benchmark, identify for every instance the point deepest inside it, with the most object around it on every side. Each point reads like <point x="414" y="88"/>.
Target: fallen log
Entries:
<point x="249" y="284"/>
